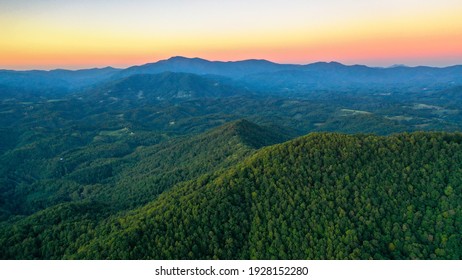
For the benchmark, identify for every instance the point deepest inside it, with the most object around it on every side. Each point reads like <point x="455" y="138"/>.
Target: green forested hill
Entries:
<point x="151" y="170"/>
<point x="322" y="196"/>
<point x="115" y="181"/>
<point x="113" y="171"/>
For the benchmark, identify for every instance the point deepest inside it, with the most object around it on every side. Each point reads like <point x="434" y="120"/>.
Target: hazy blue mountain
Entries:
<point x="256" y="75"/>
<point x="336" y="76"/>
<point x="166" y="85"/>
<point x="80" y="78"/>
<point x="49" y="83"/>
<point x="268" y="76"/>
<point x="233" y="69"/>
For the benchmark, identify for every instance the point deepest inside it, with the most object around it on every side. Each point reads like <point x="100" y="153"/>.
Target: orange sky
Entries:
<point x="46" y="34"/>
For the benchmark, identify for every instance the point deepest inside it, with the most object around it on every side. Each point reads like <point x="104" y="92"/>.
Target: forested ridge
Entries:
<point x="321" y="196"/>
<point x="121" y="170"/>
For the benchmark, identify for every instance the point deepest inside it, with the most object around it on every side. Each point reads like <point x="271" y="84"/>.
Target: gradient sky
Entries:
<point x="47" y="34"/>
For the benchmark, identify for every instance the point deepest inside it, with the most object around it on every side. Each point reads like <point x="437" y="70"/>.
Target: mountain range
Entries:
<point x="260" y="75"/>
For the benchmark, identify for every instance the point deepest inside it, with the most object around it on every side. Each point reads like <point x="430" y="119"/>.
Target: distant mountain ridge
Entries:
<point x="266" y="75"/>
<point x="255" y="74"/>
<point x="70" y="79"/>
<point x="233" y="69"/>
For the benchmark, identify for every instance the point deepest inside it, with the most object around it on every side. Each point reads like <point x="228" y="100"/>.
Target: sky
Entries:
<point x="49" y="34"/>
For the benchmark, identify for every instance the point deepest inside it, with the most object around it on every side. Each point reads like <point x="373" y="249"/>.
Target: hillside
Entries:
<point x="96" y="181"/>
<point x="321" y="196"/>
<point x="163" y="86"/>
<point x="105" y="169"/>
<point x="151" y="170"/>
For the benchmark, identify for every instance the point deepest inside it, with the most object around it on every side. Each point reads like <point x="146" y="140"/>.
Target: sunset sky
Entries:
<point x="48" y="34"/>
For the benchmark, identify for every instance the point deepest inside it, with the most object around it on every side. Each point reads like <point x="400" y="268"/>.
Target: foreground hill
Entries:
<point x="323" y="196"/>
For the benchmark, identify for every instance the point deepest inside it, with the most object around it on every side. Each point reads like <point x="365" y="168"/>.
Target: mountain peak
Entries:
<point x="178" y="57"/>
<point x="185" y="59"/>
<point x="257" y="61"/>
<point x="398" y="66"/>
<point x="322" y="63"/>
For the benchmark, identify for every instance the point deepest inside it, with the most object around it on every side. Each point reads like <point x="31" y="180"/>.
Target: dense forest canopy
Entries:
<point x="323" y="196"/>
